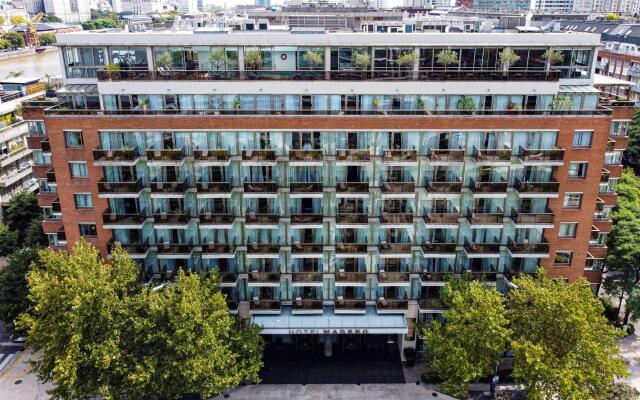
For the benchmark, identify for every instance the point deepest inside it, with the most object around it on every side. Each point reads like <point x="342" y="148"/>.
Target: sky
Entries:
<point x="231" y="3"/>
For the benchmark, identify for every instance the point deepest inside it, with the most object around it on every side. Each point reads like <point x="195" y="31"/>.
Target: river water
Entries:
<point x="33" y="66"/>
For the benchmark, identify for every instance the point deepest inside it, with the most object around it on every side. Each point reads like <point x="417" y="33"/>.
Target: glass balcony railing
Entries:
<point x="169" y="187"/>
<point x="307" y="305"/>
<point x="392" y="305"/>
<point x="352" y="187"/>
<point x="351" y="248"/>
<point x="351" y="277"/>
<point x="133" y="249"/>
<point x="400" y="155"/>
<point x="259" y="155"/>
<point x="444" y="187"/>
<point x="428" y="276"/>
<point x="171" y="218"/>
<point x="392" y="277"/>
<point x="260" y="187"/>
<point x="211" y="155"/>
<point x="165" y="154"/>
<point x="265" y="305"/>
<point x="492" y="155"/>
<point x="528" y="217"/>
<point x="446" y="155"/>
<point x="303" y="219"/>
<point x="479" y="218"/>
<point x="541" y="155"/>
<point x="441" y="248"/>
<point x="353" y="155"/>
<point x="216" y="219"/>
<point x="398" y="187"/>
<point x="536" y="187"/>
<point x="445" y="218"/>
<point x="306" y="277"/>
<point x="305" y="187"/>
<point x="120" y="187"/>
<point x="261" y="218"/>
<point x="306" y="248"/>
<point x="264" y="277"/>
<point x="528" y="248"/>
<point x="214" y="187"/>
<point x="396" y="218"/>
<point x="110" y="217"/>
<point x="350" y="305"/>
<point x="488" y="187"/>
<point x="430" y="304"/>
<point x="305" y="155"/>
<point x="116" y="155"/>
<point x="356" y="219"/>
<point x="481" y="248"/>
<point x="256" y="248"/>
<point x="394" y="248"/>
<point x="217" y="248"/>
<point x="175" y="248"/>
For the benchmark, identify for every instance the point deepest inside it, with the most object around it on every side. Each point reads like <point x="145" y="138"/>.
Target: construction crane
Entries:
<point x="32" y="30"/>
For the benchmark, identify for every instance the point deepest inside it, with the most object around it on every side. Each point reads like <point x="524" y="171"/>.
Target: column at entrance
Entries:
<point x="328" y="345"/>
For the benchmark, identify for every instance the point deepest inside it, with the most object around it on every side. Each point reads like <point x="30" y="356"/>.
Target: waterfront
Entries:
<point x="33" y="65"/>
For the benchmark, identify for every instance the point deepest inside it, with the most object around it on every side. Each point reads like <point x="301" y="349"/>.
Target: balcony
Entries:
<point x="489" y="189"/>
<point x="271" y="279"/>
<point x="262" y="219"/>
<point x="442" y="219"/>
<point x="359" y="189"/>
<point x="51" y="177"/>
<point x="45" y="145"/>
<point x="304" y="189"/>
<point x="306" y="220"/>
<point x="352" y="156"/>
<point x="306" y="306"/>
<point x="486" y="219"/>
<point x="268" y="155"/>
<point x="125" y="157"/>
<point x="398" y="220"/>
<point x="214" y="189"/>
<point x="348" y="250"/>
<point x="352" y="220"/>
<point x="391" y="306"/>
<point x="446" y="156"/>
<point x="488" y="276"/>
<point x="394" y="250"/>
<point x="393" y="278"/>
<point x="528" y="250"/>
<point x="305" y="157"/>
<point x="137" y="251"/>
<point x="430" y="306"/>
<point x="181" y="251"/>
<point x="541" y="156"/>
<point x="232" y="305"/>
<point x="306" y="278"/>
<point x="482" y="250"/>
<point x="351" y="278"/>
<point x="165" y="156"/>
<point x="349" y="306"/>
<point x="270" y="189"/>
<point x="444" y="188"/>
<point x="119" y="189"/>
<point x="175" y="188"/>
<point x="399" y="157"/>
<point x="177" y="219"/>
<point x="213" y="157"/>
<point x="228" y="278"/>
<point x="439" y="250"/>
<point x="112" y="220"/>
<point x="262" y="306"/>
<point x="218" y="250"/>
<point x="428" y="278"/>
<point x="533" y="219"/>
<point x="492" y="156"/>
<point x="398" y="189"/>
<point x="215" y="220"/>
<point x="528" y="189"/>
<point x="306" y="250"/>
<point x="255" y="250"/>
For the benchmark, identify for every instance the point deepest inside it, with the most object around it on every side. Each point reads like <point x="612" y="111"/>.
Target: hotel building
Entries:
<point x="333" y="179"/>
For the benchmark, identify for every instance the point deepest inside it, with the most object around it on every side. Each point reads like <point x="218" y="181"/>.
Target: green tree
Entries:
<point x="8" y="240"/>
<point x="23" y="208"/>
<point x="632" y="154"/>
<point x="16" y="39"/>
<point x="18" y="20"/>
<point x="622" y="391"/>
<point x="34" y="236"/>
<point x="467" y="346"/>
<point x="47" y="39"/>
<point x="447" y="57"/>
<point x="13" y="286"/>
<point x="562" y="344"/>
<point x="5" y="44"/>
<point x="253" y="59"/>
<point x="612" y="17"/>
<point x="103" y="333"/>
<point x="164" y="60"/>
<point x="623" y="258"/>
<point x="2" y="20"/>
<point x="50" y="18"/>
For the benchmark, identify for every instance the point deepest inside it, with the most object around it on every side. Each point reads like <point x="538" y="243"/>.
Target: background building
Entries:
<point x="70" y="11"/>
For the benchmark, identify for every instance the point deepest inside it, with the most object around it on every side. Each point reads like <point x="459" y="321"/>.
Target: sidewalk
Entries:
<point x="630" y="348"/>
<point x="16" y="383"/>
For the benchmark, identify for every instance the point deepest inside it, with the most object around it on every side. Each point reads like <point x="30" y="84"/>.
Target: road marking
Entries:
<point x="6" y="361"/>
<point x="14" y="344"/>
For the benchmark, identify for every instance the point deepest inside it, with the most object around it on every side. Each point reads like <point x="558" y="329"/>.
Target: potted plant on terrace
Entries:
<point x="144" y="104"/>
<point x="237" y="104"/>
<point x="218" y="59"/>
<point x="253" y="59"/>
<point x="164" y="61"/>
<point x="313" y="58"/>
<point x="561" y="102"/>
<point x="113" y="71"/>
<point x="361" y="60"/>
<point x="507" y="58"/>
<point x="465" y="104"/>
<point x="552" y="57"/>
<point x="446" y="58"/>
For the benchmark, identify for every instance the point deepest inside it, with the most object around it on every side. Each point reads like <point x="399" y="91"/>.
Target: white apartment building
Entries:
<point x="70" y="11"/>
<point x="140" y="7"/>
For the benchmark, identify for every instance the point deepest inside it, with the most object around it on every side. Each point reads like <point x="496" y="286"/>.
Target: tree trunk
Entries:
<point x="626" y="316"/>
<point x="618" y="309"/>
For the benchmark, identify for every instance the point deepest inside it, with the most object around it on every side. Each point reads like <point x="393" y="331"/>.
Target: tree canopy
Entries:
<point x="562" y="344"/>
<point x="105" y="334"/>
<point x="8" y="240"/>
<point x="467" y="347"/>
<point x="23" y="208"/>
<point x="13" y="285"/>
<point x="18" y="20"/>
<point x="50" y="18"/>
<point x="47" y="39"/>
<point x="632" y="153"/>
<point x="15" y="39"/>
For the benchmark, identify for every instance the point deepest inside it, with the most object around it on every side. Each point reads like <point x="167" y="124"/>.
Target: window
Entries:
<point x="83" y="200"/>
<point x="619" y="128"/>
<point x="73" y="138"/>
<point x="567" y="229"/>
<point x="613" y="157"/>
<point x="78" y="169"/>
<point x="582" y="139"/>
<point x="578" y="169"/>
<point x="563" y="257"/>
<point x="88" y="229"/>
<point x="572" y="200"/>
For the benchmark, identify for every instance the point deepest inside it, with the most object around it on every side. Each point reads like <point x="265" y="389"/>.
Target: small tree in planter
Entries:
<point x="144" y="104"/>
<point x="237" y="104"/>
<point x="253" y="59"/>
<point x="561" y="102"/>
<point x="507" y="58"/>
<point x="361" y="60"/>
<point x="313" y="58"/>
<point x="407" y="59"/>
<point x="218" y="59"/>
<point x="552" y="57"/>
<point x="113" y="70"/>
<point x="376" y="103"/>
<point x="164" y="60"/>
<point x="465" y="103"/>
<point x="446" y="58"/>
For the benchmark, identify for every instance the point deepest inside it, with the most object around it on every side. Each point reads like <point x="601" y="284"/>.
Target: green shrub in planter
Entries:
<point x="410" y="355"/>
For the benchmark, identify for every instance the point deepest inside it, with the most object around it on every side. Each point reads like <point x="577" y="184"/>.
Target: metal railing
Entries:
<point x="215" y="218"/>
<point x="260" y="187"/>
<point x="352" y="187"/>
<point x="446" y="155"/>
<point x="352" y="218"/>
<point x="305" y="187"/>
<point x="540" y="155"/>
<point x="211" y="154"/>
<point x="130" y="154"/>
<point x="444" y="187"/>
<point x="302" y="219"/>
<point x="305" y="155"/>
